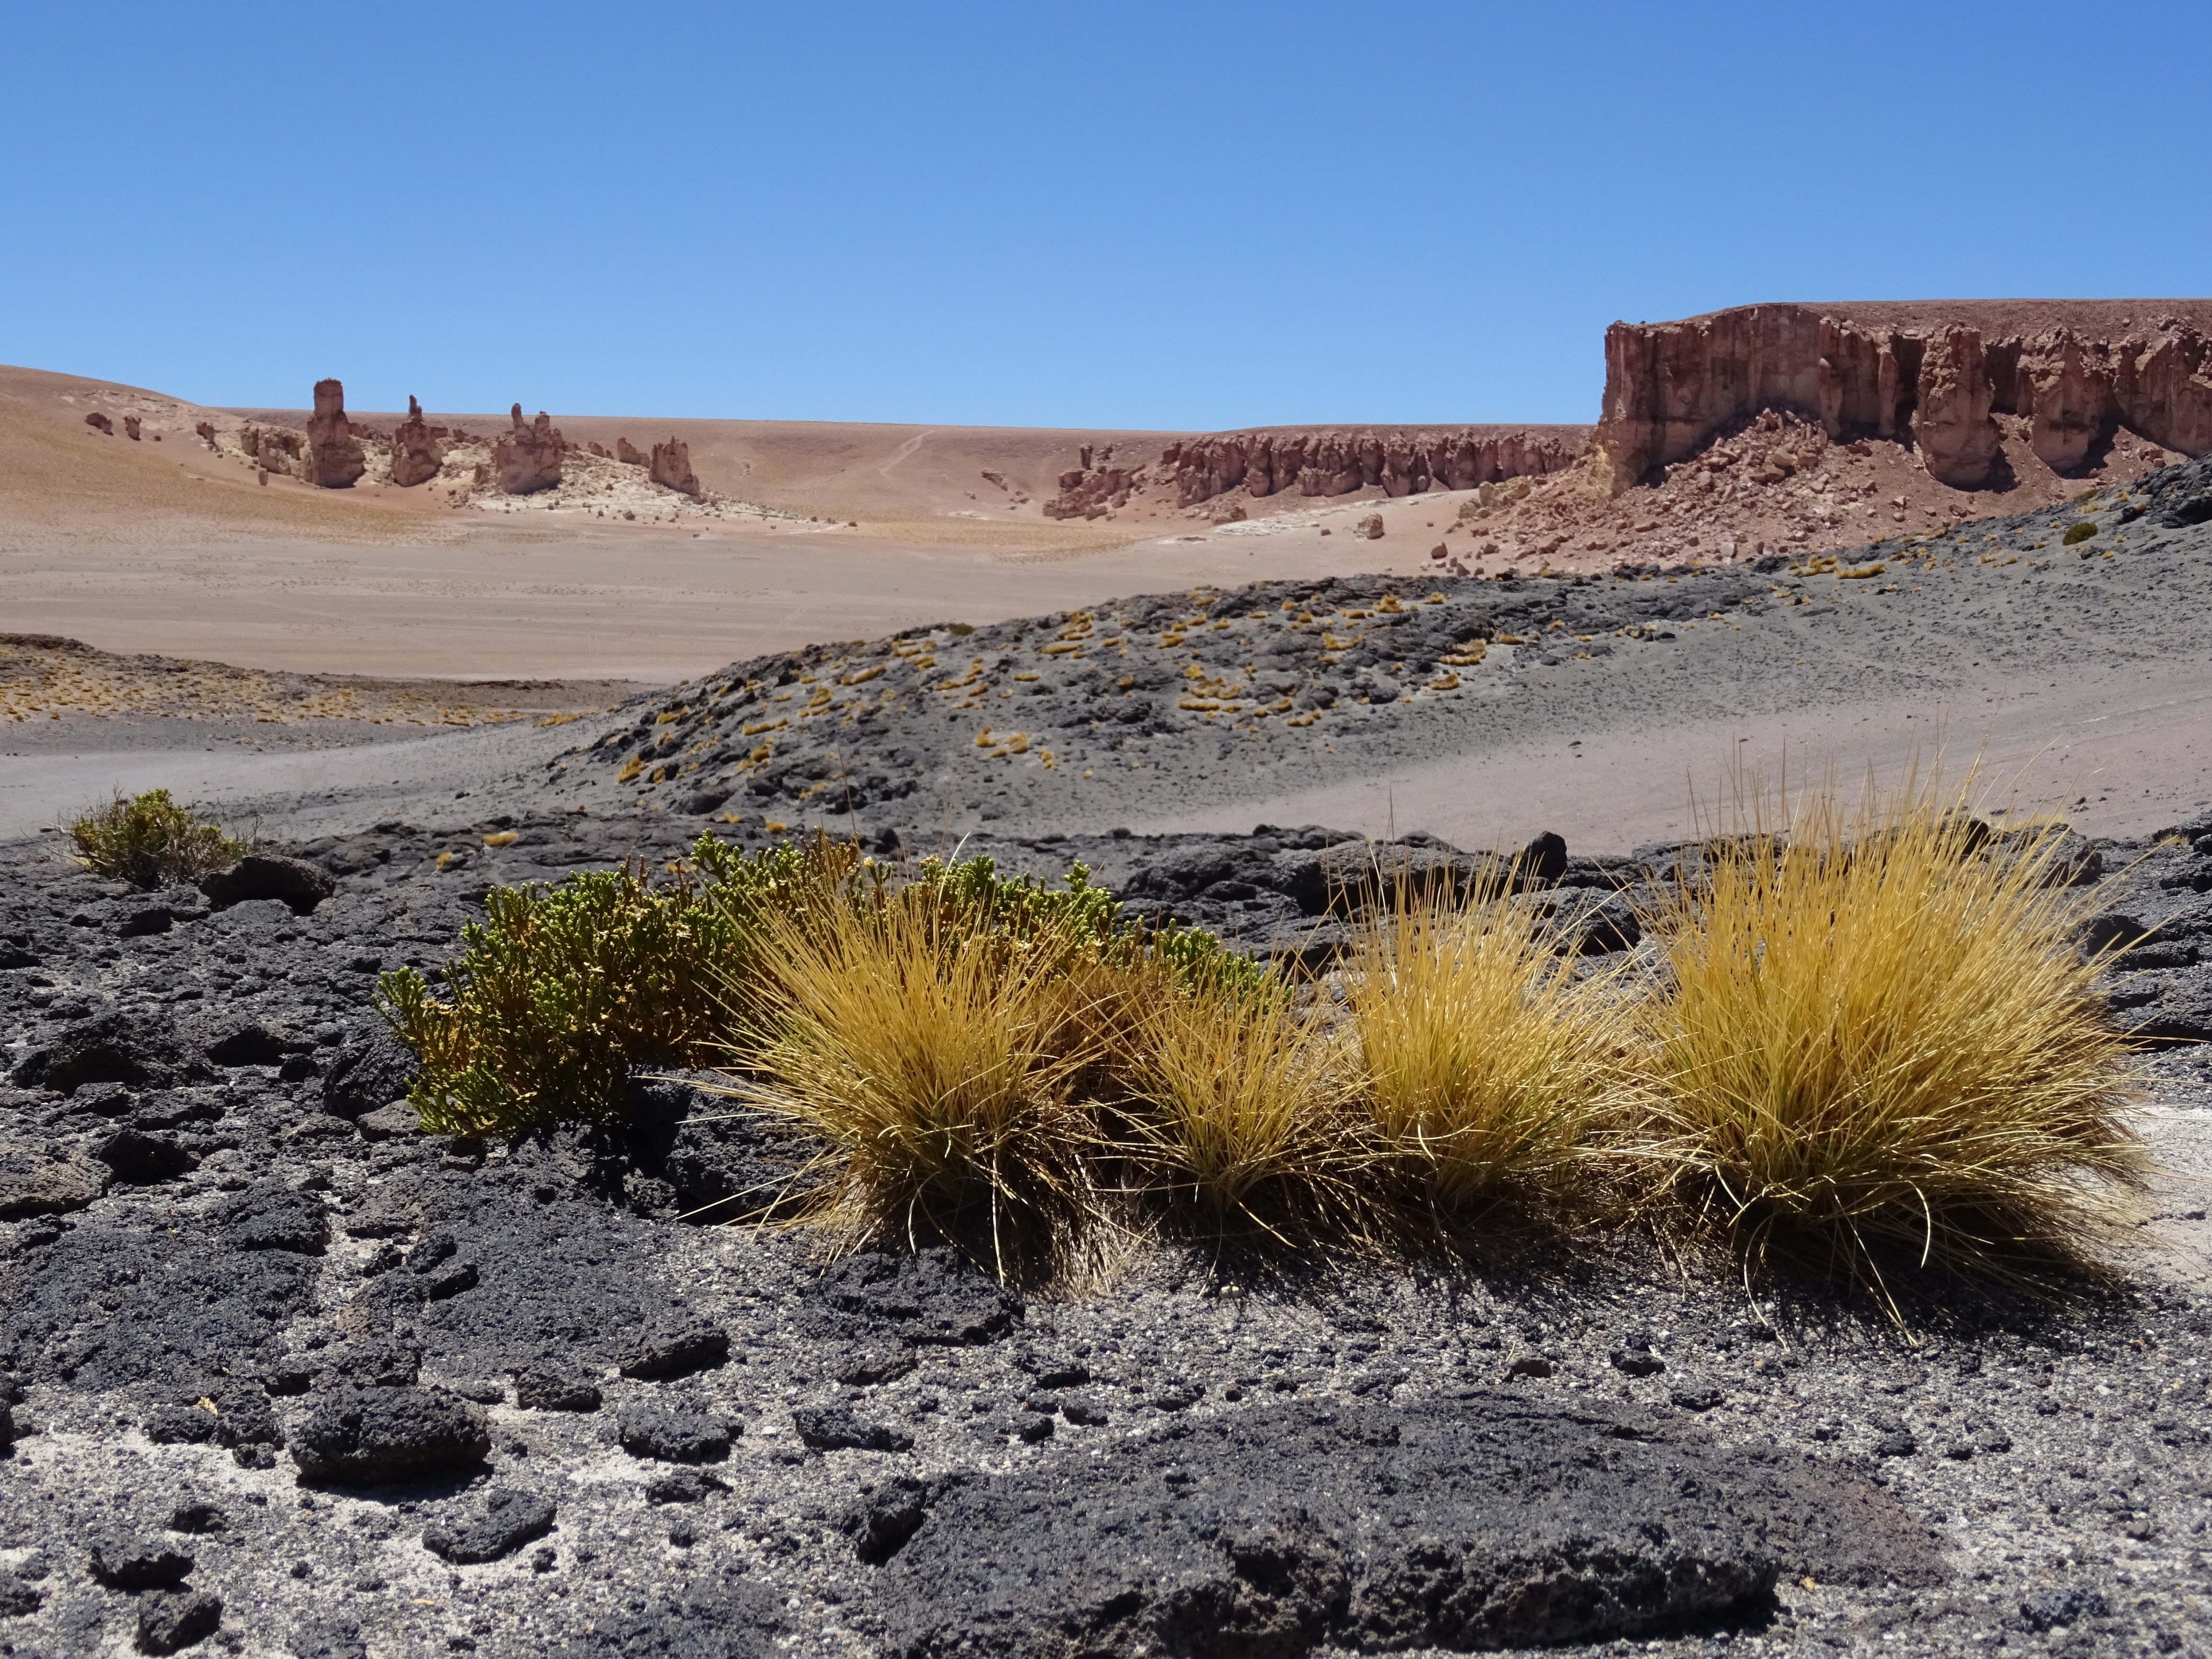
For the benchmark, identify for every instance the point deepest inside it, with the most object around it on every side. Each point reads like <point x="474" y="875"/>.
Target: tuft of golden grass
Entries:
<point x="1880" y="1042"/>
<point x="1240" y="1103"/>
<point x="1487" y="1061"/>
<point x="939" y="1066"/>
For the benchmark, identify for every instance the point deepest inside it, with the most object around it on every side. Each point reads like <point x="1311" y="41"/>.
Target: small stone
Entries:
<point x="197" y="1515"/>
<point x="553" y="1388"/>
<point x="683" y="1486"/>
<point x="174" y="1620"/>
<point x="1177" y="1394"/>
<point x="1083" y="1411"/>
<point x="380" y="1434"/>
<point x="1898" y="1442"/>
<point x="1032" y="1428"/>
<point x="672" y="1436"/>
<point x="135" y="1564"/>
<point x="668" y="1350"/>
<point x="1697" y="1399"/>
<point x="385" y="1122"/>
<point x="298" y="883"/>
<point x="1529" y="1364"/>
<point x="832" y="1428"/>
<point x="866" y="1365"/>
<point x="509" y="1520"/>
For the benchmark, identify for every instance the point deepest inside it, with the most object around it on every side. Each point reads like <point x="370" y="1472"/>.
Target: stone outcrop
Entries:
<point x="274" y="449"/>
<point x="417" y="448"/>
<point x="671" y="466"/>
<point x="527" y="458"/>
<point x="206" y="429"/>
<point x="99" y="422"/>
<point x="1932" y="373"/>
<point x="628" y="454"/>
<point x="335" y="459"/>
<point x="1400" y="460"/>
<point x="130" y="424"/>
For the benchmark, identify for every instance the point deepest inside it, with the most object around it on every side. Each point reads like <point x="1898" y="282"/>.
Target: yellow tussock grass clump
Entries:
<point x="1880" y="1041"/>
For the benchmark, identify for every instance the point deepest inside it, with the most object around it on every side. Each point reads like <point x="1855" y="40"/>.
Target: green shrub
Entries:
<point x="561" y="990"/>
<point x="2077" y="533"/>
<point x="149" y="841"/>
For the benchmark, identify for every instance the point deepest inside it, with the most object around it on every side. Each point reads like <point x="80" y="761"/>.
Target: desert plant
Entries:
<point x="937" y="1060"/>
<point x="558" y="992"/>
<point x="1240" y="1106"/>
<point x="2077" y="533"/>
<point x="149" y="841"/>
<point x="1488" y="1061"/>
<point x="1880" y="1041"/>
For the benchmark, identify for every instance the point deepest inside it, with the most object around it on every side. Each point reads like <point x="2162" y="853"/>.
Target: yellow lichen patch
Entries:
<point x="501" y="838"/>
<point x="631" y="768"/>
<point x="1473" y="651"/>
<point x="1860" y="573"/>
<point x="861" y="677"/>
<point x="1061" y="648"/>
<point x="1449" y="681"/>
<point x="754" y="728"/>
<point x="1018" y="744"/>
<point x="1029" y="677"/>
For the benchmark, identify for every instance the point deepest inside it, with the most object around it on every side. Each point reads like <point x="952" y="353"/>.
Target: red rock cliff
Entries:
<point x="1933" y="373"/>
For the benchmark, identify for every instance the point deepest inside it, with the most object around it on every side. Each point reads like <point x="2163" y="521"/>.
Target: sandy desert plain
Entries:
<point x="281" y="1373"/>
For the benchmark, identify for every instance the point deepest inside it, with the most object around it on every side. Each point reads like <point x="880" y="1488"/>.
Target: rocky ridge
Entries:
<point x="2075" y="371"/>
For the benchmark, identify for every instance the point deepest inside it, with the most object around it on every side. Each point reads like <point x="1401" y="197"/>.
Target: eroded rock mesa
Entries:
<point x="528" y="458"/>
<point x="335" y="458"/>
<point x="1934" y="374"/>
<point x="418" y="449"/>
<point x="1400" y="460"/>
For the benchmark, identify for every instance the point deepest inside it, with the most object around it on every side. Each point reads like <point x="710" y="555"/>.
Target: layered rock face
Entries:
<point x="1334" y="461"/>
<point x="1932" y="373"/>
<point x="628" y="454"/>
<point x="671" y="466"/>
<point x="335" y="459"/>
<point x="417" y="448"/>
<point x="527" y="458"/>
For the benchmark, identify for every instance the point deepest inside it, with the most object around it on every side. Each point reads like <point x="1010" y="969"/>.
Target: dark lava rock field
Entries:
<point x="281" y="1375"/>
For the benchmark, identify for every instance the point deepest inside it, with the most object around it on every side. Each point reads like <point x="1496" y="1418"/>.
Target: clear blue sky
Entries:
<point x="1136" y="215"/>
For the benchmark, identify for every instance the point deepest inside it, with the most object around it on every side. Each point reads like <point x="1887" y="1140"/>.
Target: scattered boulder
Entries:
<point x="140" y="1050"/>
<point x="673" y="1436"/>
<point x="170" y="1621"/>
<point x="508" y="1520"/>
<point x="372" y="1069"/>
<point x="527" y="457"/>
<point x="36" y="1181"/>
<point x="551" y="1385"/>
<point x="269" y="1215"/>
<point x="369" y="1435"/>
<point x="99" y="422"/>
<point x="832" y="1428"/>
<point x="146" y="1157"/>
<point x="298" y="883"/>
<point x="930" y="1297"/>
<point x="131" y="428"/>
<point x="668" y="1350"/>
<point x="416" y="453"/>
<point x="335" y="458"/>
<point x="138" y="1563"/>
<point x="1369" y="528"/>
<point x="671" y="466"/>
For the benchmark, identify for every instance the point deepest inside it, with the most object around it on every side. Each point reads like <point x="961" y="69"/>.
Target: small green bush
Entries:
<point x="561" y="990"/>
<point x="149" y="841"/>
<point x="2077" y="533"/>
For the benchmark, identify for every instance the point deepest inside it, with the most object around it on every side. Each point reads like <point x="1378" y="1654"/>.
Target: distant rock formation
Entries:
<point x="671" y="465"/>
<point x="206" y="429"/>
<point x="528" y="458"/>
<point x="274" y="449"/>
<point x="628" y="454"/>
<point x="417" y="451"/>
<point x="1330" y="461"/>
<point x="335" y="461"/>
<point x="99" y="422"/>
<point x="1933" y="373"/>
<point x="131" y="428"/>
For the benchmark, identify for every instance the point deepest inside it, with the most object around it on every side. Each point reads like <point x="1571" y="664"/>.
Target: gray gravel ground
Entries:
<point x="291" y="1377"/>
